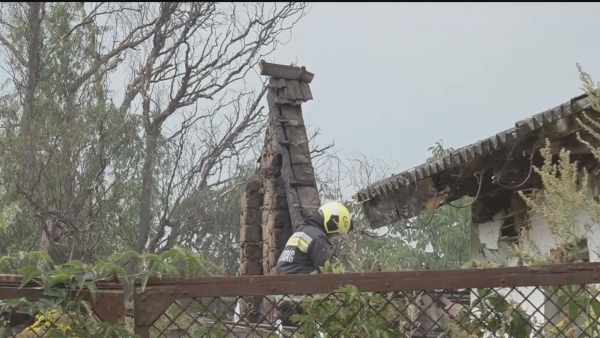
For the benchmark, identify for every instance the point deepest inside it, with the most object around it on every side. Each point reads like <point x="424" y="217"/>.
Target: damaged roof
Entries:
<point x="408" y="185"/>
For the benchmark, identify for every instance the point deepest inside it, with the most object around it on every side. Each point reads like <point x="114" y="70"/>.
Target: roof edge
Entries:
<point x="463" y="155"/>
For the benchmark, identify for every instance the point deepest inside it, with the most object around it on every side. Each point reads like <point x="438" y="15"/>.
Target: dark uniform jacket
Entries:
<point x="307" y="249"/>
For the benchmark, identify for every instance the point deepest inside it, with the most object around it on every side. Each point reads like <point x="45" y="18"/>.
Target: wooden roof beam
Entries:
<point x="285" y="72"/>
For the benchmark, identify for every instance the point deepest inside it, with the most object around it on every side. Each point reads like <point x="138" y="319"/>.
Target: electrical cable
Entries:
<point x="479" y="177"/>
<point x="497" y="180"/>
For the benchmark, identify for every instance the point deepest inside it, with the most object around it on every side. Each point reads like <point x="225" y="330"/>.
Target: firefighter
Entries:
<point x="309" y="248"/>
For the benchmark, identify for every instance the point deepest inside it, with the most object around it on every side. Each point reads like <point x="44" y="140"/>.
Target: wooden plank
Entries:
<point x="277" y="83"/>
<point x="297" y="134"/>
<point x="284" y="101"/>
<point x="309" y="198"/>
<point x="300" y="153"/>
<point x="304" y="172"/>
<point x="404" y="281"/>
<point x="293" y="113"/>
<point x="285" y="72"/>
<point x="108" y="306"/>
<point x="293" y="91"/>
<point x="306" y="92"/>
<point x="13" y="280"/>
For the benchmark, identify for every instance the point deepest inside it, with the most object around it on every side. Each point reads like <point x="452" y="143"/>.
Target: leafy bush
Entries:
<point x="65" y="311"/>
<point x="491" y="312"/>
<point x="349" y="313"/>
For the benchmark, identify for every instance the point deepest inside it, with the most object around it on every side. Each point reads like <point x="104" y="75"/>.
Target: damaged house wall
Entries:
<point x="492" y="238"/>
<point x="496" y="223"/>
<point x="499" y="217"/>
<point x="492" y="171"/>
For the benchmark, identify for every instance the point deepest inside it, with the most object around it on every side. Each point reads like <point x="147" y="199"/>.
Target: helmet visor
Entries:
<point x="333" y="225"/>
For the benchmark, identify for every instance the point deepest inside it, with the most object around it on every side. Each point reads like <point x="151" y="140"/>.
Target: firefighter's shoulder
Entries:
<point x="303" y="238"/>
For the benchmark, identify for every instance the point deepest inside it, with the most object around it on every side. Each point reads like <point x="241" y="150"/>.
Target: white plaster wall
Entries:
<point x="490" y="249"/>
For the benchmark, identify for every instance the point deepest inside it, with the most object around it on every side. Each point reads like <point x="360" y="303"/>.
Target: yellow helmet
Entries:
<point x="337" y="218"/>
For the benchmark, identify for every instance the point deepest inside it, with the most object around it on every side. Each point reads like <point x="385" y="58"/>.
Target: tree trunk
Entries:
<point x="145" y="203"/>
<point x="67" y="201"/>
<point x="145" y="207"/>
<point x="33" y="62"/>
<point x="29" y="166"/>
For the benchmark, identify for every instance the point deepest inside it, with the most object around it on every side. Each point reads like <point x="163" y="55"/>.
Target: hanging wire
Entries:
<point x="479" y="177"/>
<point x="497" y="180"/>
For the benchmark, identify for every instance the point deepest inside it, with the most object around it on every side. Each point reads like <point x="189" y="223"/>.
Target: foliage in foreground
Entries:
<point x="69" y="289"/>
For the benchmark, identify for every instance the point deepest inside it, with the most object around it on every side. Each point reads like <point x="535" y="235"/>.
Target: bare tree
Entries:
<point x="338" y="175"/>
<point x="351" y="173"/>
<point x="197" y="54"/>
<point x="213" y="149"/>
<point x="77" y="172"/>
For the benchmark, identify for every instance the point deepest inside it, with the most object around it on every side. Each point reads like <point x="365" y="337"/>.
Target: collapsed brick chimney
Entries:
<point x="285" y="190"/>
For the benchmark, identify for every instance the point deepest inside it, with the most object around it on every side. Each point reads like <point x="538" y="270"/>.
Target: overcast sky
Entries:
<point x="393" y="78"/>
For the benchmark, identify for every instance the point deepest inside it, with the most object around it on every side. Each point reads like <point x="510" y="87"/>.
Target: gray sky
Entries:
<point x="393" y="78"/>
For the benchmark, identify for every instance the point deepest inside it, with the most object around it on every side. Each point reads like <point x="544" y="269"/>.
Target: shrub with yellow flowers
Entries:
<point x="44" y="322"/>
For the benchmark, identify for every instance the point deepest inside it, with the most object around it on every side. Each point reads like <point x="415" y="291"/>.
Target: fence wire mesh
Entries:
<point x="559" y="311"/>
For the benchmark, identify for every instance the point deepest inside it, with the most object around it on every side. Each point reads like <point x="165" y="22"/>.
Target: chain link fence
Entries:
<point x="561" y="311"/>
<point x="546" y="301"/>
